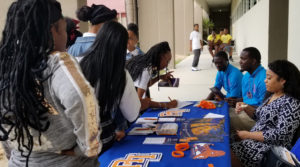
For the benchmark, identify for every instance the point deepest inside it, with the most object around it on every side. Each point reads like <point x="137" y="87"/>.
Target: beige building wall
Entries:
<point x="156" y="24"/>
<point x="198" y="14"/>
<point x="184" y="20"/>
<point x="294" y="35"/>
<point x="3" y="11"/>
<point x="252" y="29"/>
<point x="69" y="9"/>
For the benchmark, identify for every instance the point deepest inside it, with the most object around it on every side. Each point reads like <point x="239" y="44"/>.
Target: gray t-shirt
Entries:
<point x="74" y="119"/>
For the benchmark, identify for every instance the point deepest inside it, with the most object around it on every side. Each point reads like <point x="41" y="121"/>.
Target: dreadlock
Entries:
<point x="150" y="60"/>
<point x="104" y="64"/>
<point x="24" y="50"/>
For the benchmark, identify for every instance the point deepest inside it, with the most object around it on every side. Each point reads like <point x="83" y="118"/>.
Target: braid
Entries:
<point x="150" y="60"/>
<point x="24" y="51"/>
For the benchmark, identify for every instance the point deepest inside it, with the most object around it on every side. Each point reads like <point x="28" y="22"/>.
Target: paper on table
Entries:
<point x="166" y="119"/>
<point x="154" y="140"/>
<point x="212" y="115"/>
<point x="146" y="120"/>
<point x="140" y="131"/>
<point x="181" y="104"/>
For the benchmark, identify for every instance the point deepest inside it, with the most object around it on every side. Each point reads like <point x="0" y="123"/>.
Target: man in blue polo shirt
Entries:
<point x="253" y="89"/>
<point x="228" y="77"/>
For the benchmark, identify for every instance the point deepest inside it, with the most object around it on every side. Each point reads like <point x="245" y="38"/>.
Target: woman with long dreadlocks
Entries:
<point x="142" y="67"/>
<point x="48" y="112"/>
<point x="104" y="67"/>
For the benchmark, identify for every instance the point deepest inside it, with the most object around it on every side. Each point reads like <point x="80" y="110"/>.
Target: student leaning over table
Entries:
<point x="276" y="119"/>
<point x="48" y="112"/>
<point x="141" y="69"/>
<point x="104" y="67"/>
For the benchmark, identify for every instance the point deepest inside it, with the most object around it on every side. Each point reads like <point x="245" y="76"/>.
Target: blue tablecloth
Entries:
<point x="133" y="144"/>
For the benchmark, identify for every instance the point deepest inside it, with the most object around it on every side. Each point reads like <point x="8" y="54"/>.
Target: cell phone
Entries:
<point x="216" y="91"/>
<point x="174" y="82"/>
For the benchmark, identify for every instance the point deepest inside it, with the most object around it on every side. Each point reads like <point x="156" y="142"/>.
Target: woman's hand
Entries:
<point x="145" y="103"/>
<point x="242" y="134"/>
<point x="171" y="104"/>
<point x="167" y="76"/>
<point x="120" y="135"/>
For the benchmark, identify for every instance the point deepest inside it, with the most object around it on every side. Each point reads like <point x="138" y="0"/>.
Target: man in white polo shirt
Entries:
<point x="196" y="45"/>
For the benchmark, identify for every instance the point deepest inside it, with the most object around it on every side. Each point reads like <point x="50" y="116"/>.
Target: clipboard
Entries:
<point x="216" y="91"/>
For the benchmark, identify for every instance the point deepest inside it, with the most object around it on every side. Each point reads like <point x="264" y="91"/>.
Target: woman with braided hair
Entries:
<point x="48" y="112"/>
<point x="144" y="70"/>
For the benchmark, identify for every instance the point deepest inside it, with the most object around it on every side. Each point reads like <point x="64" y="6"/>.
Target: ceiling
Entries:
<point x="218" y="3"/>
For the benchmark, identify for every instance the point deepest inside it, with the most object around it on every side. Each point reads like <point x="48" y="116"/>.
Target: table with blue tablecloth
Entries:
<point x="134" y="144"/>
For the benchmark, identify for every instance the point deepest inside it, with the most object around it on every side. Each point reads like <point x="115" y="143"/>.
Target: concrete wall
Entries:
<point x="3" y="11"/>
<point x="69" y="9"/>
<point x="204" y="5"/>
<point x="278" y="29"/>
<point x="156" y="24"/>
<point x="294" y="35"/>
<point x="252" y="29"/>
<point x="184" y="20"/>
<point x="198" y="14"/>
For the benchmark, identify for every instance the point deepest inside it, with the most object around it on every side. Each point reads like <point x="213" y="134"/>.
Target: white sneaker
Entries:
<point x="195" y="69"/>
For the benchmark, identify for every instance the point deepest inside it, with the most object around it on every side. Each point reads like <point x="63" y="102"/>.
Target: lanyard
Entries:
<point x="249" y="93"/>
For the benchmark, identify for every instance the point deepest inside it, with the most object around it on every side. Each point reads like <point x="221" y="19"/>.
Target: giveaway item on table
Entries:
<point x="179" y="110"/>
<point x="170" y="114"/>
<point x="179" y="149"/>
<point x="167" y="129"/>
<point x="136" y="159"/>
<point x="207" y="104"/>
<point x="160" y="129"/>
<point x="160" y="140"/>
<point x="212" y="115"/>
<point x="203" y="130"/>
<point x="174" y="112"/>
<point x="141" y="131"/>
<point x="203" y="151"/>
<point x="143" y="120"/>
<point x="152" y="120"/>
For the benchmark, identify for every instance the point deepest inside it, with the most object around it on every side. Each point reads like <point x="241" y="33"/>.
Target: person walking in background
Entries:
<point x="196" y="45"/>
<point x="133" y="39"/>
<point x="96" y="15"/>
<point x="226" y="43"/>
